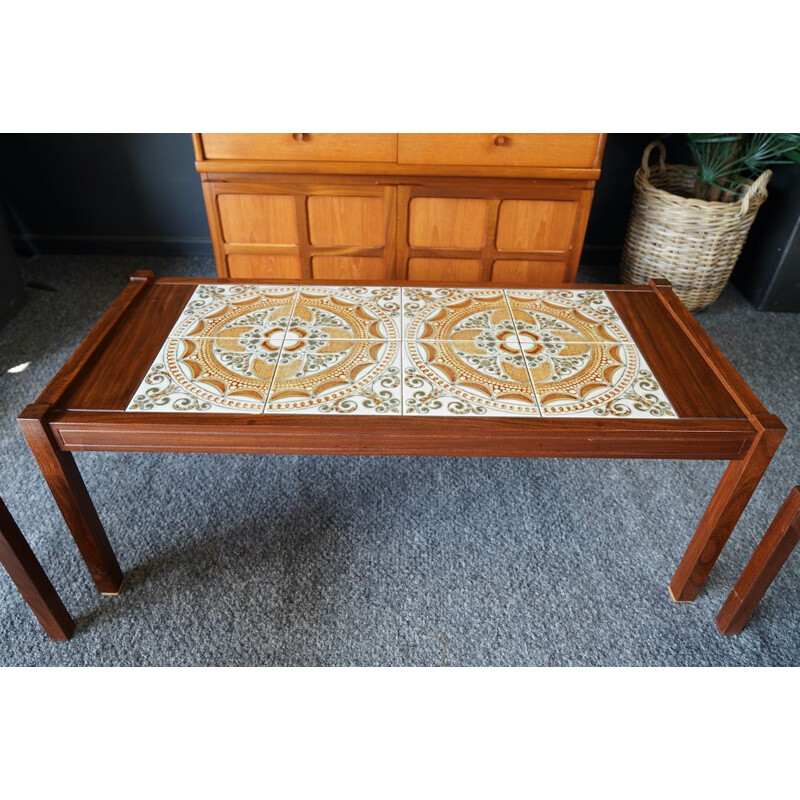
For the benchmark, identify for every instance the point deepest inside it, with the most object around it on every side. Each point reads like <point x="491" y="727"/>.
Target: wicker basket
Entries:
<point x="692" y="243"/>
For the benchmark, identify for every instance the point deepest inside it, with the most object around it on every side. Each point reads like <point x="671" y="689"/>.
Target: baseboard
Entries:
<point x="51" y="244"/>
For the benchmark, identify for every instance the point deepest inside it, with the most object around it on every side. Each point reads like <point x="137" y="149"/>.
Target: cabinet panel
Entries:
<point x="256" y="218"/>
<point x="301" y="147"/>
<point x="447" y="222"/>
<point x="338" y="228"/>
<point x="544" y="225"/>
<point x="344" y="268"/>
<point x="508" y="271"/>
<point x="500" y="149"/>
<point x="347" y="221"/>
<point x="266" y="266"/>
<point x="444" y="269"/>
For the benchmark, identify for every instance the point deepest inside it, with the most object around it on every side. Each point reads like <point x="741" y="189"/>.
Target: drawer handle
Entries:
<point x="500" y="141"/>
<point x="299" y="137"/>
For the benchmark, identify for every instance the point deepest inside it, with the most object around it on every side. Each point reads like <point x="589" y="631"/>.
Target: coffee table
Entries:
<point x="582" y="371"/>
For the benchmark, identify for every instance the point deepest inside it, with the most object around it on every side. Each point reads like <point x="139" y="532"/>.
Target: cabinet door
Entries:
<point x="486" y="230"/>
<point x="300" y="231"/>
<point x="545" y="226"/>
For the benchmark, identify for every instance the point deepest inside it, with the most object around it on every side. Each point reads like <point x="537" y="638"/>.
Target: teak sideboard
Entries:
<point x="456" y="207"/>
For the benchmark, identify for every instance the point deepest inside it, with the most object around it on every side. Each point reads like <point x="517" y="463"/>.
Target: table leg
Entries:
<point x="765" y="563"/>
<point x="732" y="495"/>
<point x="65" y="482"/>
<point x="23" y="568"/>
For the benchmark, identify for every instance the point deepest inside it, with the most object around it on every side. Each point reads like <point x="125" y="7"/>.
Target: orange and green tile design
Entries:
<point x="313" y="349"/>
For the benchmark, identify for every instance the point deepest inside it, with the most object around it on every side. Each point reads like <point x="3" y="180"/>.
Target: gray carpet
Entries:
<point x="283" y="560"/>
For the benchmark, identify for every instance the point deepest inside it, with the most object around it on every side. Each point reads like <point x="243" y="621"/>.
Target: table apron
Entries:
<point x="702" y="444"/>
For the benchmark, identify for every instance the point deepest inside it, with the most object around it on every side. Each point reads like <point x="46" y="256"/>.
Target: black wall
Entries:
<point x="612" y="197"/>
<point x="12" y="289"/>
<point x="768" y="270"/>
<point x="103" y="193"/>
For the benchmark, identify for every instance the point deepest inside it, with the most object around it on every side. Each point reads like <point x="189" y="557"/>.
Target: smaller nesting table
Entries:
<point x="25" y="570"/>
<point x="780" y="539"/>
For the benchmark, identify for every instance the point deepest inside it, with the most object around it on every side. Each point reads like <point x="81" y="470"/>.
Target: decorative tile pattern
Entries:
<point x="581" y="359"/>
<point x="478" y="376"/>
<point x="337" y="376"/>
<point x="359" y="312"/>
<point x="235" y="310"/>
<point x="445" y="314"/>
<point x="590" y="380"/>
<point x="553" y="315"/>
<point x="415" y="351"/>
<point x="206" y="376"/>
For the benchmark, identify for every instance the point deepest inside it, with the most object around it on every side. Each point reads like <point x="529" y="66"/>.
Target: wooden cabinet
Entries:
<point x="373" y="206"/>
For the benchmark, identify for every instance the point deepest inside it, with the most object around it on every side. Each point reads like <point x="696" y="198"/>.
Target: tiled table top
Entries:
<point x="458" y="352"/>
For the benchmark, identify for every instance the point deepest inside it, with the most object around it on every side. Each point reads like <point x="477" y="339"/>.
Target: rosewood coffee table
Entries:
<point x="583" y="371"/>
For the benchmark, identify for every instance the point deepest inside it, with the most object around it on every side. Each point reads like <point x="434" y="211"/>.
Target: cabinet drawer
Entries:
<point x="577" y="150"/>
<point x="300" y="146"/>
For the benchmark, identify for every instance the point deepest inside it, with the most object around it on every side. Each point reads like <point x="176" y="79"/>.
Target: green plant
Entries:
<point x="725" y="161"/>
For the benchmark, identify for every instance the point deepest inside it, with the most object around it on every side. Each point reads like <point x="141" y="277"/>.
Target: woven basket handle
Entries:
<point x="758" y="186"/>
<point x="662" y="157"/>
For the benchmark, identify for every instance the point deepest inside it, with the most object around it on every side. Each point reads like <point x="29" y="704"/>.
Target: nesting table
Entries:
<point x="24" y="569"/>
<point x="581" y="371"/>
<point x="775" y="547"/>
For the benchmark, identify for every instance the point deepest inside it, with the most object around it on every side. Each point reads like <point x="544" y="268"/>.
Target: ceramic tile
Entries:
<point x="456" y="314"/>
<point x="337" y="376"/>
<point x="346" y="312"/>
<point x="385" y="350"/>
<point x="234" y="311"/>
<point x="569" y="315"/>
<point x="465" y="378"/>
<point x="591" y="380"/>
<point x="205" y="376"/>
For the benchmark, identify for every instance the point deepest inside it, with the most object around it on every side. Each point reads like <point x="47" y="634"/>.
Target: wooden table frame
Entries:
<point x="747" y="438"/>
